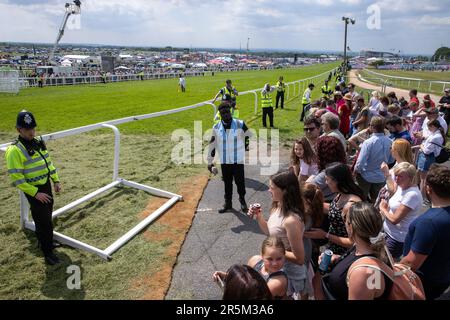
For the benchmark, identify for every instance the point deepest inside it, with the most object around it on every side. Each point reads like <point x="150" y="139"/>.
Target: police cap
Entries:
<point x="25" y="119"/>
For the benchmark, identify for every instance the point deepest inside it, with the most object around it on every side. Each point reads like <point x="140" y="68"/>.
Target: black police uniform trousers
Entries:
<point x="280" y="95"/>
<point x="229" y="172"/>
<point x="267" y="111"/>
<point x="42" y="216"/>
<point x="305" y="109"/>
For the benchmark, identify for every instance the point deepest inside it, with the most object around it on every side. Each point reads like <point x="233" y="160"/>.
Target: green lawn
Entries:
<point x="85" y="164"/>
<point x="424" y="85"/>
<point x="58" y="108"/>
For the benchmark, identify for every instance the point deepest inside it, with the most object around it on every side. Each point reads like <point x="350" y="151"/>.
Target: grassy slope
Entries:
<point x="85" y="164"/>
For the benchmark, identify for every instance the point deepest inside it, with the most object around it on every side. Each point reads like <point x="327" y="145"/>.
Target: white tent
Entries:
<point x="66" y="63"/>
<point x="122" y="68"/>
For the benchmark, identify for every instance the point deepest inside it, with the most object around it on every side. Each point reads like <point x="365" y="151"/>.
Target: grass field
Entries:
<point x="426" y="85"/>
<point x="67" y="107"/>
<point x="85" y="164"/>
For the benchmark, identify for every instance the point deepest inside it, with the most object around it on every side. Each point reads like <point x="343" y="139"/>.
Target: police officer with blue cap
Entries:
<point x="31" y="169"/>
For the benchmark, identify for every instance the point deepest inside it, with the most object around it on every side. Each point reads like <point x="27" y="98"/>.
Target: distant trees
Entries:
<point x="443" y="53"/>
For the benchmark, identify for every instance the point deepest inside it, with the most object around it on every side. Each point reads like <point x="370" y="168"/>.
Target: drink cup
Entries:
<point x="326" y="260"/>
<point x="253" y="207"/>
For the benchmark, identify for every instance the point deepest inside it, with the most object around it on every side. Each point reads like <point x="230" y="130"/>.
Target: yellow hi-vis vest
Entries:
<point x="28" y="171"/>
<point x="305" y="100"/>
<point x="228" y="95"/>
<point x="266" y="99"/>
<point x="234" y="115"/>
<point x="281" y="87"/>
<point x="326" y="91"/>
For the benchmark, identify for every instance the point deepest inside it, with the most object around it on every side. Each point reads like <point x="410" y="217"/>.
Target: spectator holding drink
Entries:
<point x="286" y="221"/>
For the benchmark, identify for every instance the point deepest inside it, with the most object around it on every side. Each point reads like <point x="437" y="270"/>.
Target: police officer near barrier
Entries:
<point x="306" y="100"/>
<point x="281" y="89"/>
<point x="231" y="138"/>
<point x="228" y="94"/>
<point x="326" y="90"/>
<point x="31" y="169"/>
<point x="267" y="104"/>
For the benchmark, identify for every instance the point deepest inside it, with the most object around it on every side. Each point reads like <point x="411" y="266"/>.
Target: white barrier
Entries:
<point x="409" y="81"/>
<point x="26" y="82"/>
<point x="116" y="180"/>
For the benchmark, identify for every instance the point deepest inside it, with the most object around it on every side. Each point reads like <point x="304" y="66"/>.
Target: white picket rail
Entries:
<point x="412" y="83"/>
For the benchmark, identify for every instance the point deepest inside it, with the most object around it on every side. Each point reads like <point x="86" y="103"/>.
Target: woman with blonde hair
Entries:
<point x="364" y="225"/>
<point x="402" y="208"/>
<point x="402" y="152"/>
<point x="270" y="266"/>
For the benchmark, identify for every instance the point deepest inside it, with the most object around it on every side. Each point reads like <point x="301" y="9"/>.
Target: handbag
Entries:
<point x="444" y="155"/>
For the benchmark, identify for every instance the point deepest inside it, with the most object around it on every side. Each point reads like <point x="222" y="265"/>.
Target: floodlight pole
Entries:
<point x="74" y="8"/>
<point x="346" y="22"/>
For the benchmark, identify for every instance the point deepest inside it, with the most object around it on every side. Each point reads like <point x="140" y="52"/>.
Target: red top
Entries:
<point x="344" y="118"/>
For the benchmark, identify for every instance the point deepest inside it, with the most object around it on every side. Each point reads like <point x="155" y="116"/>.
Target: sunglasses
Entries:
<point x="309" y="129"/>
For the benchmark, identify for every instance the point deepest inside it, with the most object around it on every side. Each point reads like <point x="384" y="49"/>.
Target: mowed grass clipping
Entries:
<point x="85" y="164"/>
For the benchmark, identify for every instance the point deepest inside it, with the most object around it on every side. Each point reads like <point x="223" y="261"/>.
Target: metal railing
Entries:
<point x="26" y="82"/>
<point x="410" y="83"/>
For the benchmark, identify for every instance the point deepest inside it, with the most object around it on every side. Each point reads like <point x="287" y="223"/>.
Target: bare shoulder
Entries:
<point x="293" y="219"/>
<point x="253" y="261"/>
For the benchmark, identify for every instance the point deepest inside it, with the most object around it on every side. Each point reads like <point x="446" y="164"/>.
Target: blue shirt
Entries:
<point x="401" y="135"/>
<point x="429" y="235"/>
<point x="374" y="151"/>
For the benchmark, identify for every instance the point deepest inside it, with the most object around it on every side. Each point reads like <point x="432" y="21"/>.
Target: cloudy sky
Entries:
<point x="409" y="26"/>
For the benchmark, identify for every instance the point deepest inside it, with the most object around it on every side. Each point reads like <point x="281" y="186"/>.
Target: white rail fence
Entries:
<point x="26" y="82"/>
<point x="117" y="181"/>
<point x="410" y="83"/>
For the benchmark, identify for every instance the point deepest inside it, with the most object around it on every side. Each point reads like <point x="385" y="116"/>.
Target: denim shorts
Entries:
<point x="297" y="275"/>
<point x="424" y="161"/>
<point x="395" y="247"/>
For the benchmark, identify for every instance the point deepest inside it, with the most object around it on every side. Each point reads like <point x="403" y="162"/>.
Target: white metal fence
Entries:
<point x="294" y="90"/>
<point x="423" y="85"/>
<point x="9" y="81"/>
<point x="26" y="82"/>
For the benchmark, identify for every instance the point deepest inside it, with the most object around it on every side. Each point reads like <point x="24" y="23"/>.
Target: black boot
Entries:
<point x="226" y="207"/>
<point x="51" y="259"/>
<point x="244" y="206"/>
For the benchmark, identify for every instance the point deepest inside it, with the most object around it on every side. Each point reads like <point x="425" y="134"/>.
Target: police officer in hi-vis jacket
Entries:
<point x="31" y="169"/>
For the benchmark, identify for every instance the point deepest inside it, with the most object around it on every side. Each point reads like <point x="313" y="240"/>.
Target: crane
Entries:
<point x="74" y="8"/>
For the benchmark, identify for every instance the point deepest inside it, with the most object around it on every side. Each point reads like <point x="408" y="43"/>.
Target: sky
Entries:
<point x="408" y="26"/>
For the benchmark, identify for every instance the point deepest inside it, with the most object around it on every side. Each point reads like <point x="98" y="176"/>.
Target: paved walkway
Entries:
<point x="399" y="92"/>
<point x="217" y="241"/>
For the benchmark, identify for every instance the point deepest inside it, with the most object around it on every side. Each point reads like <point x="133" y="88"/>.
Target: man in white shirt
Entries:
<point x="182" y="83"/>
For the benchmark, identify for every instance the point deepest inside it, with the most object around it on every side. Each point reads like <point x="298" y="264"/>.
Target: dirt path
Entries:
<point x="399" y="92"/>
